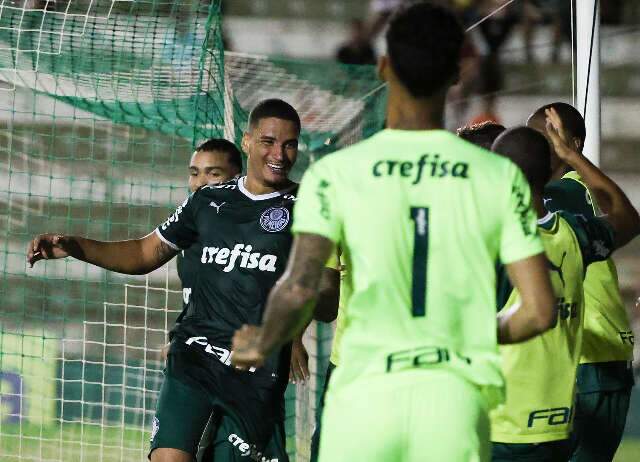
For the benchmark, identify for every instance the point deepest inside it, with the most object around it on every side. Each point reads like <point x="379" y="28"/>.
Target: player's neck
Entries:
<point x="538" y="205"/>
<point x="258" y="188"/>
<point x="407" y="113"/>
<point x="561" y="171"/>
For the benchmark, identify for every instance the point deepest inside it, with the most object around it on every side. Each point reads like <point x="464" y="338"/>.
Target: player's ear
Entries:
<point x="245" y="143"/>
<point x="577" y="143"/>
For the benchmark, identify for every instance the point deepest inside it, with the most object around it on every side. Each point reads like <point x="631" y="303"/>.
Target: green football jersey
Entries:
<point x="423" y="217"/>
<point x="541" y="372"/>
<point x="608" y="335"/>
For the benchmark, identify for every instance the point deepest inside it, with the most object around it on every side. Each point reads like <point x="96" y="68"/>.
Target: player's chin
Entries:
<point x="276" y="177"/>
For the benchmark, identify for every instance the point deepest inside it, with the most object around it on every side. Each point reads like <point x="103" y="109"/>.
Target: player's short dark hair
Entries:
<point x="274" y="108"/>
<point x="482" y="134"/>
<point x="225" y="146"/>
<point x="423" y="45"/>
<point x="529" y="150"/>
<point x="571" y="119"/>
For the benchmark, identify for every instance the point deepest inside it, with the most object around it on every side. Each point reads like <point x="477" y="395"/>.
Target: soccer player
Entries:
<point x="421" y="217"/>
<point x="482" y="134"/>
<point x="605" y="376"/>
<point x="242" y="230"/>
<point x="213" y="162"/>
<point x="535" y="421"/>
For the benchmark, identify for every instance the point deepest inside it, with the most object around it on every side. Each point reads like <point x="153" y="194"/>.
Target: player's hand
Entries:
<point x="246" y="347"/>
<point x="299" y="371"/>
<point x="47" y="247"/>
<point x="558" y="136"/>
<point x="164" y="352"/>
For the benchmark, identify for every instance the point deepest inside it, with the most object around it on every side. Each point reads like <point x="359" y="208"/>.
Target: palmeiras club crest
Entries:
<point x="274" y="219"/>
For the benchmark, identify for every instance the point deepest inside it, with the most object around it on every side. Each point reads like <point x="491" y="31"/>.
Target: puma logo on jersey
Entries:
<point x="241" y="255"/>
<point x="216" y="206"/>
<point x="557" y="269"/>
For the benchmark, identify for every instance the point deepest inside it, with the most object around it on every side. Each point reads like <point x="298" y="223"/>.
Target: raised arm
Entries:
<point x="134" y="256"/>
<point x="291" y="302"/>
<point x="619" y="211"/>
<point x="536" y="312"/>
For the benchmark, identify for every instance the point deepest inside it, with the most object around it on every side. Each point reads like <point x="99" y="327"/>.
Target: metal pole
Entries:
<point x="588" y="72"/>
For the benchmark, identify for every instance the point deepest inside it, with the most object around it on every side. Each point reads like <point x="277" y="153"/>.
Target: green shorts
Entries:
<point x="599" y="424"/>
<point x="406" y="416"/>
<point x="553" y="451"/>
<point x="243" y="426"/>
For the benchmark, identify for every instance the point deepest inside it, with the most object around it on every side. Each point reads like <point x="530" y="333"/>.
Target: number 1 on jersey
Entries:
<point x="420" y="217"/>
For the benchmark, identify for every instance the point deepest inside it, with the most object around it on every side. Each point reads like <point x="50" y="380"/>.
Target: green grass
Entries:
<point x="629" y="451"/>
<point x="72" y="442"/>
<point x="77" y="443"/>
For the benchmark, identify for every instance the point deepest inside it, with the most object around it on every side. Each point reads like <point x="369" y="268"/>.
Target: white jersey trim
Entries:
<point x="166" y="241"/>
<point x="547" y="218"/>
<point x="261" y="197"/>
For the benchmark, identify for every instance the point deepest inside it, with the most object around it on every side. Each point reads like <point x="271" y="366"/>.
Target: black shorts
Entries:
<point x="552" y="451"/>
<point x="247" y="409"/>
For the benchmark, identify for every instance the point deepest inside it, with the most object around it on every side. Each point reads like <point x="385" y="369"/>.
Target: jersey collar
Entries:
<point x="547" y="221"/>
<point x="261" y="197"/>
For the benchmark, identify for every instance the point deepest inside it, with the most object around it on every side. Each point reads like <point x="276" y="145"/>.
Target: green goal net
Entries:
<point x="101" y="104"/>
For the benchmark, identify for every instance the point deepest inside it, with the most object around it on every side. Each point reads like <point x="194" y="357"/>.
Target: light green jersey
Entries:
<point x="423" y="217"/>
<point x="608" y="335"/>
<point x="541" y="373"/>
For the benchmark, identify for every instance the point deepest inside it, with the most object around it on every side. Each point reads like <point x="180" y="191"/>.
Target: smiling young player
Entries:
<point x="241" y="232"/>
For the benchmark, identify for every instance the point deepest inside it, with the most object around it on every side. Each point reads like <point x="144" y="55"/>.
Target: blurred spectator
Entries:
<point x="554" y="12"/>
<point x="358" y="49"/>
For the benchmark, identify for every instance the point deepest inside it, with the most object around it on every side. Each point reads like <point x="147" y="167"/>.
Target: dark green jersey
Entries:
<point x="240" y="243"/>
<point x="187" y="262"/>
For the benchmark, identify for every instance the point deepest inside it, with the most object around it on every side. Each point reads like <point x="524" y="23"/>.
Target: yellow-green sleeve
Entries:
<point x="519" y="238"/>
<point x="317" y="208"/>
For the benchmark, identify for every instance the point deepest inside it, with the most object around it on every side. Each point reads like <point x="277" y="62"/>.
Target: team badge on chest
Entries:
<point x="274" y="219"/>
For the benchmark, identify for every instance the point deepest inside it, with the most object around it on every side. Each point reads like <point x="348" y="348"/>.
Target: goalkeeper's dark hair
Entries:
<point x="482" y="134"/>
<point x="423" y="45"/>
<point x="530" y="151"/>
<point x="571" y="118"/>
<point x="224" y="146"/>
<point x="274" y="108"/>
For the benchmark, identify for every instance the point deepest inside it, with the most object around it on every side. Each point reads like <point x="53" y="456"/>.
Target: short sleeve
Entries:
<point x="595" y="235"/>
<point x="316" y="210"/>
<point x="179" y="231"/>
<point x="519" y="238"/>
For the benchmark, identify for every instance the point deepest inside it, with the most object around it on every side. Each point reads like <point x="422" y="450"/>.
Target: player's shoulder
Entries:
<point x="211" y="191"/>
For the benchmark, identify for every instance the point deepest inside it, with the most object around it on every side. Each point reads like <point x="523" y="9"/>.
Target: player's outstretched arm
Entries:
<point x="536" y="312"/>
<point x="134" y="256"/>
<point x="290" y="304"/>
<point x="619" y="211"/>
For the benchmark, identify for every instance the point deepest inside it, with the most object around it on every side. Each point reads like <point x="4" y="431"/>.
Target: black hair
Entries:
<point x="423" y="44"/>
<point x="225" y="146"/>
<point x="529" y="150"/>
<point x="571" y="119"/>
<point x="482" y="134"/>
<point x="274" y="108"/>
